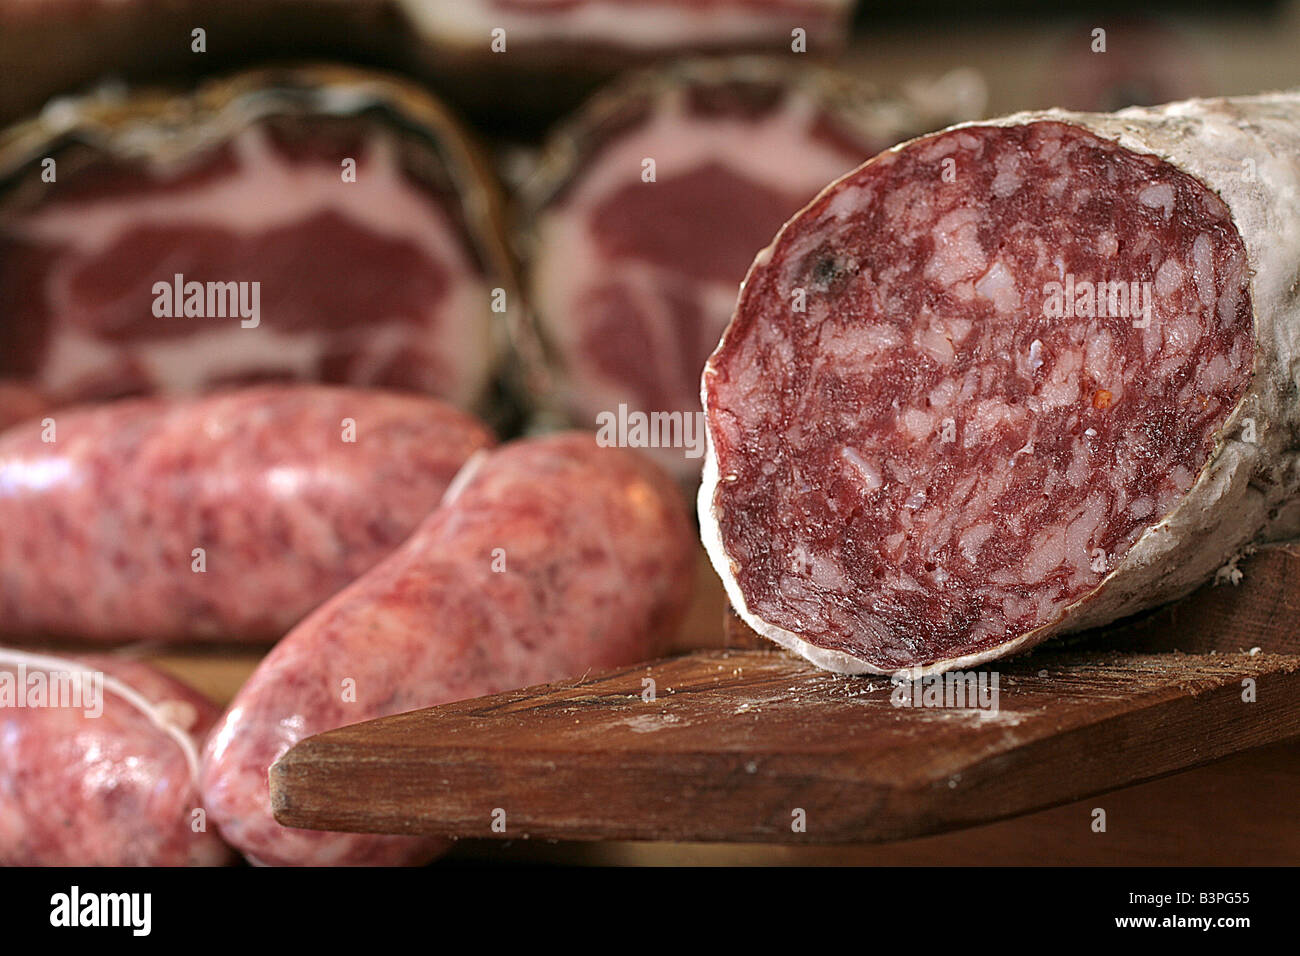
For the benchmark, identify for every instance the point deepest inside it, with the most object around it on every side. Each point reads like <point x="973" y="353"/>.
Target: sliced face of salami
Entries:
<point x="648" y="207"/>
<point x="999" y="382"/>
<point x="317" y="225"/>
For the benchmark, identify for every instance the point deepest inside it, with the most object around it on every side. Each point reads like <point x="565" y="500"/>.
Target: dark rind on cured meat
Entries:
<point x="852" y="111"/>
<point x="1111" y="468"/>
<point x="114" y="788"/>
<point x="288" y="502"/>
<point x="550" y="556"/>
<point x="594" y="232"/>
<point x="150" y="143"/>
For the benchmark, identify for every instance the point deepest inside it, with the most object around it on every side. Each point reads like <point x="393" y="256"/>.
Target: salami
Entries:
<point x="648" y="206"/>
<point x="99" y="763"/>
<point x="551" y="556"/>
<point x="318" y="224"/>
<point x="222" y="518"/>
<point x="1011" y="379"/>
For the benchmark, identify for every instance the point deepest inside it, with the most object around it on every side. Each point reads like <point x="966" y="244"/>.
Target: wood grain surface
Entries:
<point x="1240" y="811"/>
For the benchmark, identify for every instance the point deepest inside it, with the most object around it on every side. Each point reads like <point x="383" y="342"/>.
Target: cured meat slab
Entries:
<point x="648" y="205"/>
<point x="543" y="57"/>
<point x="1009" y="380"/>
<point x="318" y="224"/>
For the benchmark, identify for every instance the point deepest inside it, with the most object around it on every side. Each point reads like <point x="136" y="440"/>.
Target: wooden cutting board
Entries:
<point x="754" y="745"/>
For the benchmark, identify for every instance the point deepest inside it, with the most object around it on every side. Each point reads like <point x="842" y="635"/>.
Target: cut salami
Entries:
<point x="1040" y="380"/>
<point x="318" y="224"/>
<point x="99" y="765"/>
<point x="649" y="204"/>
<point x="222" y="518"/>
<point x="551" y="556"/>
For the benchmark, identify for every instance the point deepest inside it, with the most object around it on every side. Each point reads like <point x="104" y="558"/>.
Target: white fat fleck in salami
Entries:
<point x="1051" y="453"/>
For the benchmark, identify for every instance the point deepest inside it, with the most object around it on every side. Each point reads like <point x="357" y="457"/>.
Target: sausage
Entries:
<point x="1039" y="381"/>
<point x="317" y="224"/>
<point x="551" y="556"/>
<point x="221" y="518"/>
<point x="632" y="270"/>
<point x="98" y="765"/>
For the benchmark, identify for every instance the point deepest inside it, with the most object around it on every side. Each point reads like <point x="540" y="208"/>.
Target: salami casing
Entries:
<point x="649" y="204"/>
<point x="99" y="765"/>
<point x="1011" y="379"/>
<point x="317" y="224"/>
<point x="550" y="556"/>
<point x="221" y="518"/>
